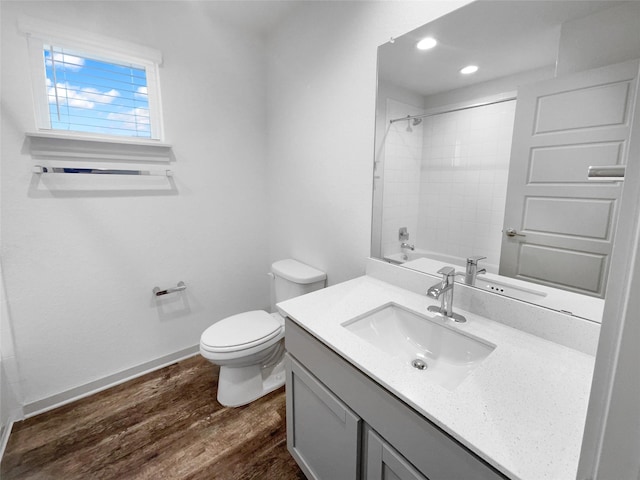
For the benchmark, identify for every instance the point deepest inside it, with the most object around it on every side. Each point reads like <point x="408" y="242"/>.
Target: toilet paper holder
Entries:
<point x="178" y="288"/>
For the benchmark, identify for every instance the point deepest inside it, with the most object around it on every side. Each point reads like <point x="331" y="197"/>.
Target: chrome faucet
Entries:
<point x="472" y="270"/>
<point x="406" y="245"/>
<point x="444" y="291"/>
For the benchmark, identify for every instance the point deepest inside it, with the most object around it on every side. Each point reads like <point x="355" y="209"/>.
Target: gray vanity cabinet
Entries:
<point x="342" y="425"/>
<point x="323" y="435"/>
<point x="322" y="432"/>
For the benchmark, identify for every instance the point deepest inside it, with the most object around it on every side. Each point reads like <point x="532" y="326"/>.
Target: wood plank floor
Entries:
<point x="163" y="425"/>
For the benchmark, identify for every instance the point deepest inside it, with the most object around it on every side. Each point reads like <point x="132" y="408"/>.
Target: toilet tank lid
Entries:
<point x="297" y="272"/>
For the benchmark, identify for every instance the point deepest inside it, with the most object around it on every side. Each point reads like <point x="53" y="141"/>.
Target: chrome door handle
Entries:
<point x="512" y="232"/>
<point x="610" y="173"/>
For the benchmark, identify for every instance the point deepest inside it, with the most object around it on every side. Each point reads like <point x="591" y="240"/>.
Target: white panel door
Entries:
<point x="559" y="227"/>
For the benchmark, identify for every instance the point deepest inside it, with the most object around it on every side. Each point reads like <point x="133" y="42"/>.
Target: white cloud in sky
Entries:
<point x="134" y="119"/>
<point x="79" y="97"/>
<point x="142" y="94"/>
<point x="70" y="62"/>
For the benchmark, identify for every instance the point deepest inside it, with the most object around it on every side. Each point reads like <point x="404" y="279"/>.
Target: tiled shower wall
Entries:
<point x="463" y="186"/>
<point x="402" y="163"/>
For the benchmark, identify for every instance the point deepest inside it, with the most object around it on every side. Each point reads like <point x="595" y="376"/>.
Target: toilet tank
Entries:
<point x="293" y="278"/>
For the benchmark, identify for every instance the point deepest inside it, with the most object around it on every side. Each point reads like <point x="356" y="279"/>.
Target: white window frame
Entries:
<point x="40" y="33"/>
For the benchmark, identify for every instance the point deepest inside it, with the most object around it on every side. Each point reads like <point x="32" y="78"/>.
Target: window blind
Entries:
<point x="94" y="95"/>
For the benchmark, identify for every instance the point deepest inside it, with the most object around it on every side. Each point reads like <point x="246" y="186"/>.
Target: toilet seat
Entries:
<point x="241" y="332"/>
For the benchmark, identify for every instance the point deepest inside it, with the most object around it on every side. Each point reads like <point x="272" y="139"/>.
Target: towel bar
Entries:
<point x="101" y="171"/>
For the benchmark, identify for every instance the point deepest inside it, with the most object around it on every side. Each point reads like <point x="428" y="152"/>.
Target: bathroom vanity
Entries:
<point x="512" y="407"/>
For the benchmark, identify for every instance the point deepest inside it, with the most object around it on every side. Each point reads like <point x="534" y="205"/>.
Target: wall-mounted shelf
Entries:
<point x="56" y="146"/>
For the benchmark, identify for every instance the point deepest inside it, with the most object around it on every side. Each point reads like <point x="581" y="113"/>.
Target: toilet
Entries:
<point x="249" y="346"/>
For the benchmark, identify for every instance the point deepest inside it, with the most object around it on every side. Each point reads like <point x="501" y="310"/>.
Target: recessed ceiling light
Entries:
<point x="469" y="69"/>
<point x="426" y="43"/>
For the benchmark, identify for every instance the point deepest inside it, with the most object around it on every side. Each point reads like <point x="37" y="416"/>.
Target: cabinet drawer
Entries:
<point x="323" y="434"/>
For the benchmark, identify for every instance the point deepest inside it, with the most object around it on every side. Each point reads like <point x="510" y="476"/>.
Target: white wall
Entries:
<point x="80" y="266"/>
<point x="321" y="93"/>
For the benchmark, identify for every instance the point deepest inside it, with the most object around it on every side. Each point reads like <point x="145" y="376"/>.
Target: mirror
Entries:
<point x="494" y="163"/>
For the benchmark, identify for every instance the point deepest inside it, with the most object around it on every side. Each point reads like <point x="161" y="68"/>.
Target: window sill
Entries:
<point x="73" y="146"/>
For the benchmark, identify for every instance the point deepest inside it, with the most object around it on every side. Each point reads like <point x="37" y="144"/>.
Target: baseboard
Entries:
<point x="76" y="393"/>
<point x="5" y="431"/>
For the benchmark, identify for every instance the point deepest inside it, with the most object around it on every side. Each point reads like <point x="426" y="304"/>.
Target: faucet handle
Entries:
<point x="474" y="260"/>
<point x="447" y="271"/>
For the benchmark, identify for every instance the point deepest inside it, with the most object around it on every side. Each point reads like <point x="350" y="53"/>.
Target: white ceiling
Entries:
<point x="260" y="16"/>
<point x="501" y="37"/>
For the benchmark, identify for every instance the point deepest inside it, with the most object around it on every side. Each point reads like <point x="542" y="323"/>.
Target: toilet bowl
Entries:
<point x="249" y="346"/>
<point x="246" y="347"/>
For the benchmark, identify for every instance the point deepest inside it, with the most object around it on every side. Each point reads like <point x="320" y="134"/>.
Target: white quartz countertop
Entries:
<point x="522" y="409"/>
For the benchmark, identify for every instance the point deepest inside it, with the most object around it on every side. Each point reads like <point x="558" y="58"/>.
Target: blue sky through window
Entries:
<point x="91" y="95"/>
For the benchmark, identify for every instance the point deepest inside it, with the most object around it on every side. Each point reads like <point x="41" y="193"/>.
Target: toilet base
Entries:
<point x="239" y="386"/>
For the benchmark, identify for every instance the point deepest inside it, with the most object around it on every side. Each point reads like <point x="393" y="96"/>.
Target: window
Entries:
<point x="90" y="86"/>
<point x="86" y="94"/>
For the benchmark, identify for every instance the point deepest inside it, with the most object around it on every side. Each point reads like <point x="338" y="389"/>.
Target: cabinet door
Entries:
<point x="322" y="432"/>
<point x="384" y="463"/>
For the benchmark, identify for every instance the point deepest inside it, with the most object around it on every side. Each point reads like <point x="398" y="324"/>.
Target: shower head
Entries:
<point x="414" y="121"/>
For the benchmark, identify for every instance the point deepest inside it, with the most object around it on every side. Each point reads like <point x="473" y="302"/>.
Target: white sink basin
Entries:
<point x="443" y="355"/>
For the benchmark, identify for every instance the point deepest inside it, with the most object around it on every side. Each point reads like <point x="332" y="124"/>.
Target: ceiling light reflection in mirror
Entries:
<point x="426" y="43"/>
<point x="469" y="69"/>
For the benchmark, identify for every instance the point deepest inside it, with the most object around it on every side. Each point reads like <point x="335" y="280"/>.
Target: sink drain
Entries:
<point x="419" y="364"/>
